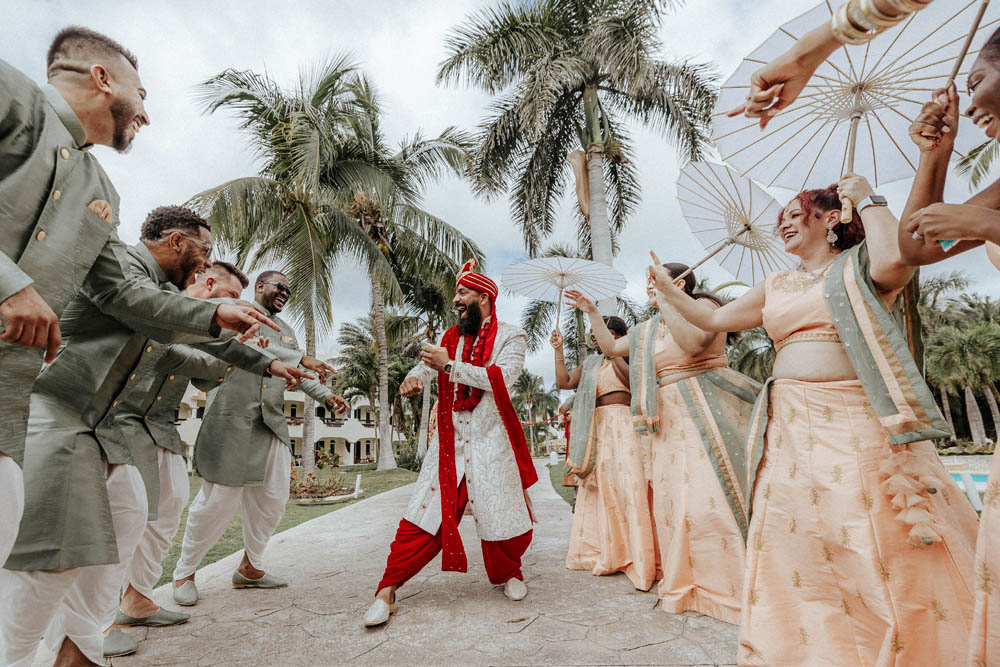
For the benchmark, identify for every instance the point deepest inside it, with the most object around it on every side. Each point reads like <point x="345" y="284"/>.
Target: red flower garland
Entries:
<point x="474" y="351"/>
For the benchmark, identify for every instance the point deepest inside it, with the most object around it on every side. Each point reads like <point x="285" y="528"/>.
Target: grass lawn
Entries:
<point x="373" y="482"/>
<point x="556" y="475"/>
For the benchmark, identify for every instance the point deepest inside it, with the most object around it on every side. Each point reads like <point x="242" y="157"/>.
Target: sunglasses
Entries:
<point x="281" y="287"/>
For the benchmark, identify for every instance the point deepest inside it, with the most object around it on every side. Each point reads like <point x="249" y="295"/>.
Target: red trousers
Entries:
<point x="414" y="548"/>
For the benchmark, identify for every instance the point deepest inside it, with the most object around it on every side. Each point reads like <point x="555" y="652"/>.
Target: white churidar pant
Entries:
<point x="147" y="563"/>
<point x="11" y="504"/>
<point x="78" y="603"/>
<point x="214" y="506"/>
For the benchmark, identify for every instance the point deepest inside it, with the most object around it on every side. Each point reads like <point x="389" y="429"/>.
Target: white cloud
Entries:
<point x="400" y="45"/>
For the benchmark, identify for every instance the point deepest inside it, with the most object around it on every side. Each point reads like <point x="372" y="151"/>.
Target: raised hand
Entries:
<point x="411" y="386"/>
<point x="27" y="320"/>
<point x="556" y="340"/>
<point x="245" y="320"/>
<point x="951" y="221"/>
<point x="854" y="187"/>
<point x="579" y="300"/>
<point x="660" y="277"/>
<point x="936" y="126"/>
<point x="320" y="368"/>
<point x="292" y="375"/>
<point x="338" y="404"/>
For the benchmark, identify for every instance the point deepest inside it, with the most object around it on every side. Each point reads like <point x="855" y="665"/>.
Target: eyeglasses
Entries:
<point x="281" y="287"/>
<point x="206" y="246"/>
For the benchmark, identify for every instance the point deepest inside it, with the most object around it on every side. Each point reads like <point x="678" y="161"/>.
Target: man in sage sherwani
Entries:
<point x="243" y="453"/>
<point x="85" y="504"/>
<point x="58" y="215"/>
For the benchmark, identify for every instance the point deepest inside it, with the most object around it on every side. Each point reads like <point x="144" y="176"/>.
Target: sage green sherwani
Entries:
<point x="51" y="240"/>
<point x="145" y="419"/>
<point x="245" y="413"/>
<point x="67" y="521"/>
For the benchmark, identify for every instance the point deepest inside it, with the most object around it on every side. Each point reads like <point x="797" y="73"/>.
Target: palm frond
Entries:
<point x="978" y="163"/>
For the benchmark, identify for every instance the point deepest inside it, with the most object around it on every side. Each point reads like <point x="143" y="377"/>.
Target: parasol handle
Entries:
<point x="559" y="309"/>
<point x="729" y="241"/>
<point x="968" y="40"/>
<point x="847" y="206"/>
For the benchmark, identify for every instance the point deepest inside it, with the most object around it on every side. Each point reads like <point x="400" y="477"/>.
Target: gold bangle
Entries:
<point x="844" y="31"/>
<point x="875" y="18"/>
<point x="909" y="6"/>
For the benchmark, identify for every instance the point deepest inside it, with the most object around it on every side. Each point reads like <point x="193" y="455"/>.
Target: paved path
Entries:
<point x="334" y="561"/>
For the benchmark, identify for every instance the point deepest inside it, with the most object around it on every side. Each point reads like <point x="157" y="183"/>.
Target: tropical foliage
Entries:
<point x="566" y="76"/>
<point x="534" y="403"/>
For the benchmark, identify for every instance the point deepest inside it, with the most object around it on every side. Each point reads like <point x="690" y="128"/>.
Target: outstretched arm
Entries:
<point x="744" y="313"/>
<point x="564" y="378"/>
<point x="888" y="270"/>
<point x="610" y="346"/>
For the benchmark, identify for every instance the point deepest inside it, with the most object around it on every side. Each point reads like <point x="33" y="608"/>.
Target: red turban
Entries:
<point x="477" y="281"/>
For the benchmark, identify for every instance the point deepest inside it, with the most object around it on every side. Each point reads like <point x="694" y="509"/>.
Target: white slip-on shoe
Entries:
<point x="515" y="589"/>
<point x="186" y="595"/>
<point x="379" y="613"/>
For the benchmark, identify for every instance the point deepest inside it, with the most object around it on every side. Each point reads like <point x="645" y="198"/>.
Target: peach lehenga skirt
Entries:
<point x="831" y="578"/>
<point x="985" y="646"/>
<point x="612" y="528"/>
<point x="700" y="545"/>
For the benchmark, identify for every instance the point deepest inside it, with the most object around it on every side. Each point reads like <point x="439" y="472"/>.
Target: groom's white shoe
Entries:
<point x="515" y="589"/>
<point x="379" y="613"/>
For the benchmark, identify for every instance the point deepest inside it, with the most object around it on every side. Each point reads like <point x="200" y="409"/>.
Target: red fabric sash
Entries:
<point x="453" y="558"/>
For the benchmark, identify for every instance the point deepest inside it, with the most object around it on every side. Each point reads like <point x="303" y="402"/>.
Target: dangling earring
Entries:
<point x="831" y="236"/>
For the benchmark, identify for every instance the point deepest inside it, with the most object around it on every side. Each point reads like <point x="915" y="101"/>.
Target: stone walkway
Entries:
<point x="333" y="562"/>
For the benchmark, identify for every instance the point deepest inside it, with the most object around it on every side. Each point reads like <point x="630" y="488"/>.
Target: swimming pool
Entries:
<point x="979" y="478"/>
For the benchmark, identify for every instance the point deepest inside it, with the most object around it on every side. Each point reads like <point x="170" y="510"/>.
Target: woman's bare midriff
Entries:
<point x="813" y="361"/>
<point x="615" y="398"/>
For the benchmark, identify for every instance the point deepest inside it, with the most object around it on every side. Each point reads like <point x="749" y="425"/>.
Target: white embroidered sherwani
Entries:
<point x="483" y="454"/>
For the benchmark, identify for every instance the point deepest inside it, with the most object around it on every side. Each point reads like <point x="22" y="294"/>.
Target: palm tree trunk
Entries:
<point x="531" y="430"/>
<point x="991" y="400"/>
<point x="946" y="407"/>
<point x="308" y="408"/>
<point x="600" y="229"/>
<point x="976" y="425"/>
<point x="425" y="415"/>
<point x="386" y="458"/>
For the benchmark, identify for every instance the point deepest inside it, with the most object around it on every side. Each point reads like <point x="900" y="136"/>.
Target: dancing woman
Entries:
<point x="612" y="524"/>
<point x="926" y="221"/>
<point x="860" y="545"/>
<point x="696" y="412"/>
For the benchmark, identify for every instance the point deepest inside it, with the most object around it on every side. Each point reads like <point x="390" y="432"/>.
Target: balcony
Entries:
<point x="334" y="422"/>
<point x="294" y="421"/>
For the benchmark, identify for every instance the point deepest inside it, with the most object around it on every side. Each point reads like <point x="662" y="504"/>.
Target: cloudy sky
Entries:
<point x="399" y="44"/>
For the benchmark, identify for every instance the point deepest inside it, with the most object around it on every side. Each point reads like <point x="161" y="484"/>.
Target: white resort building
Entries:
<point x="351" y="437"/>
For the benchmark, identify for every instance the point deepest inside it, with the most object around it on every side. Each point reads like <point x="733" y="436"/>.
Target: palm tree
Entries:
<point x="286" y="218"/>
<point x="530" y="398"/>
<point x="970" y="357"/>
<point x="567" y="75"/>
<point x="427" y="295"/>
<point x="387" y="210"/>
<point x="753" y="354"/>
<point x="978" y="162"/>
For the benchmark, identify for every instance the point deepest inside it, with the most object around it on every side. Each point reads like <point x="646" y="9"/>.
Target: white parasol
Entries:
<point x="859" y="103"/>
<point x="546" y="278"/>
<point x="734" y="217"/>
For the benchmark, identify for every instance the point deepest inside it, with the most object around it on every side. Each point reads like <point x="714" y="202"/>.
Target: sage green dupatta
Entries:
<point x="878" y="351"/>
<point x="582" y="454"/>
<point x="718" y="400"/>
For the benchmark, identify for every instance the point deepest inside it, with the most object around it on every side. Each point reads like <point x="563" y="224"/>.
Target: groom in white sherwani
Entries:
<point x="478" y="455"/>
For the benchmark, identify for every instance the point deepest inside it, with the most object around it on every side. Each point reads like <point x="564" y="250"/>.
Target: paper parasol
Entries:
<point x="732" y="217"/>
<point x="545" y="279"/>
<point x="877" y="88"/>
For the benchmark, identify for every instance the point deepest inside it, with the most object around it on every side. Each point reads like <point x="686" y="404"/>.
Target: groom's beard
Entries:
<point x="469" y="325"/>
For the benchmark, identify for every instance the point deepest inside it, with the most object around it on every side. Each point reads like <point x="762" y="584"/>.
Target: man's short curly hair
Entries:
<point x="76" y="44"/>
<point x="231" y="269"/>
<point x="176" y="218"/>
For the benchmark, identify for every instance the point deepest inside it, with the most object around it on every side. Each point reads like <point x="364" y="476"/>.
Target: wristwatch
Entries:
<point x="872" y="200"/>
<point x="447" y="368"/>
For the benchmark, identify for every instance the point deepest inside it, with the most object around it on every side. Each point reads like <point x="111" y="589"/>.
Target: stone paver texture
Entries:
<point x="334" y="562"/>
